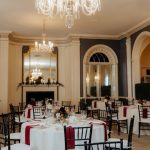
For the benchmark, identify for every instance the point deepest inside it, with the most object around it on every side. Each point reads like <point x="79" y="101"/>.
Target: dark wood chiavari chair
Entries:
<point x="75" y="136"/>
<point x="144" y="118"/>
<point x="15" y="114"/>
<point x="38" y="112"/>
<point x="127" y="144"/>
<point x="66" y="103"/>
<point x="120" y="122"/>
<point x="117" y="145"/>
<point x="22" y="106"/>
<point x="5" y="138"/>
<point x="14" y="136"/>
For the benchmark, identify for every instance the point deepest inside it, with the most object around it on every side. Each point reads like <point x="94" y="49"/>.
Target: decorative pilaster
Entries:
<point x="69" y="71"/>
<point x="129" y="74"/>
<point x="4" y="48"/>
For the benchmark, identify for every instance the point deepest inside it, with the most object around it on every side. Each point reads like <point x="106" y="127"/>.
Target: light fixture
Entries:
<point x="44" y="46"/>
<point x="70" y="9"/>
<point x="36" y="73"/>
<point x="96" y="77"/>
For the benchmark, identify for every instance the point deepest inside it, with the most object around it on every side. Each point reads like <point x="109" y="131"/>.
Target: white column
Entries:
<point x="4" y="48"/>
<point x="114" y="81"/>
<point x="129" y="74"/>
<point x="69" y="71"/>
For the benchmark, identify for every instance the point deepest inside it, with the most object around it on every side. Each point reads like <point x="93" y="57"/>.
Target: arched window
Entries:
<point x="100" y="77"/>
<point x="99" y="57"/>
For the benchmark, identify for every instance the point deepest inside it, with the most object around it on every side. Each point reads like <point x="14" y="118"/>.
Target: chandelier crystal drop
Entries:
<point x="69" y="9"/>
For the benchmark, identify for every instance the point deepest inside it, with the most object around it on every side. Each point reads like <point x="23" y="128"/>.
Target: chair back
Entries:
<point x="103" y="115"/>
<point x="38" y="111"/>
<point x="117" y="145"/>
<point x="14" y="108"/>
<point x="69" y="108"/>
<point x="75" y="136"/>
<point x="95" y="113"/>
<point x="66" y="103"/>
<point x="144" y="112"/>
<point x="5" y="131"/>
<point x="130" y="132"/>
<point x="22" y="106"/>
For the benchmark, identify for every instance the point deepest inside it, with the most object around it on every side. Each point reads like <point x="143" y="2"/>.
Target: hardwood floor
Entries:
<point x="142" y="143"/>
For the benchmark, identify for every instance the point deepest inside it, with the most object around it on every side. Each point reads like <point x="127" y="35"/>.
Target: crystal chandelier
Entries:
<point x="44" y="46"/>
<point x="36" y="73"/>
<point x="69" y="9"/>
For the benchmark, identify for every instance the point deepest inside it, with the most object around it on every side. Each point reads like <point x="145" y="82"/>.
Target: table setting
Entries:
<point x="48" y="133"/>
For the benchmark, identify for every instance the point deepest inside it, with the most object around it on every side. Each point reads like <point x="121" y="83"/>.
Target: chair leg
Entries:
<point x="127" y="126"/>
<point x="118" y="127"/>
<point x="139" y="129"/>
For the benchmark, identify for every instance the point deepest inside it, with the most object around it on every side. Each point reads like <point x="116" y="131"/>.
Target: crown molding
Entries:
<point x="135" y="28"/>
<point x="69" y="38"/>
<point x="76" y="37"/>
<point x="5" y="34"/>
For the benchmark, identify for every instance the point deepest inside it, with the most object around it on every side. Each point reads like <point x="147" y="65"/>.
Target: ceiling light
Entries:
<point x="44" y="46"/>
<point x="69" y="9"/>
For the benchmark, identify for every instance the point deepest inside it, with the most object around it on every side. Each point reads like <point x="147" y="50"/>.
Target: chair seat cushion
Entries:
<point x="114" y="118"/>
<point x="15" y="136"/>
<point x="119" y="119"/>
<point x="125" y="143"/>
<point x="145" y="120"/>
<point x="122" y="119"/>
<point x="18" y="147"/>
<point x="21" y="120"/>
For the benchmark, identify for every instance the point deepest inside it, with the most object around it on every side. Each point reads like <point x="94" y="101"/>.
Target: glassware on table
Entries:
<point x="43" y="113"/>
<point x="83" y="114"/>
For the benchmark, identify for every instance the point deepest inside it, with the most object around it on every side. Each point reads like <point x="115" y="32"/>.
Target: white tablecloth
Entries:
<point x="52" y="138"/>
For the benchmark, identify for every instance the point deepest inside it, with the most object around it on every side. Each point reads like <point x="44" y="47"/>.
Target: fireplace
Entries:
<point x="40" y="92"/>
<point x="39" y="95"/>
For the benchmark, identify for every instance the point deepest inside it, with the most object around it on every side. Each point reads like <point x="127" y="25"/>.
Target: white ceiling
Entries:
<point x="115" y="18"/>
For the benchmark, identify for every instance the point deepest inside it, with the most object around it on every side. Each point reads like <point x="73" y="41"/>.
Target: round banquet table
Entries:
<point x="52" y="137"/>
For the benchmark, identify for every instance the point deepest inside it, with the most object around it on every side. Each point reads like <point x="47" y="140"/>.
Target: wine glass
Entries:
<point x="83" y="114"/>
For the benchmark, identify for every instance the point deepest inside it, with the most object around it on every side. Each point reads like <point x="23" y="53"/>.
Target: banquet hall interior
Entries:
<point x="68" y="66"/>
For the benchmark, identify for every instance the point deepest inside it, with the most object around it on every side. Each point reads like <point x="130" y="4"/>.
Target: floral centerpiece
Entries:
<point x="61" y="114"/>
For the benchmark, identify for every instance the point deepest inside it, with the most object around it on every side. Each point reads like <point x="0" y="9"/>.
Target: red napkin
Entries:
<point x="95" y="104"/>
<point x="29" y="113"/>
<point x="105" y="131"/>
<point x="145" y="115"/>
<point x="124" y="111"/>
<point x="70" y="138"/>
<point x="27" y="135"/>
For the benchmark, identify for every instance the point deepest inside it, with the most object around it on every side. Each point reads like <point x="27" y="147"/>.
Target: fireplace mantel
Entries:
<point x="40" y="87"/>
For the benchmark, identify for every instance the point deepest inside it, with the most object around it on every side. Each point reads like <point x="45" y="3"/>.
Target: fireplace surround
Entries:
<point x="39" y="96"/>
<point x="39" y="92"/>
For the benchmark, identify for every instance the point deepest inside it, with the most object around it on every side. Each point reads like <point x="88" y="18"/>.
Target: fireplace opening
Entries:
<point x="39" y="96"/>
